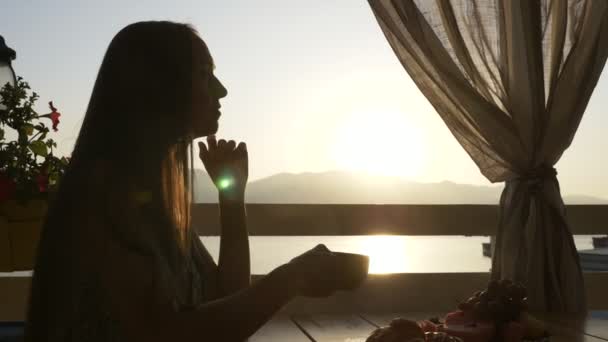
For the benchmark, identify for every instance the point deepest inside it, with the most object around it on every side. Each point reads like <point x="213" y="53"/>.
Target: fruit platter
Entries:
<point x="496" y="314"/>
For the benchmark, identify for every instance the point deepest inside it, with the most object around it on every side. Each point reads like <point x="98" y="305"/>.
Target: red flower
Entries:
<point x="43" y="182"/>
<point x="54" y="116"/>
<point x="7" y="188"/>
<point x="43" y="178"/>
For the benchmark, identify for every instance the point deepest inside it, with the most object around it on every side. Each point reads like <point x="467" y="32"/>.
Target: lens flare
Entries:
<point x="224" y="183"/>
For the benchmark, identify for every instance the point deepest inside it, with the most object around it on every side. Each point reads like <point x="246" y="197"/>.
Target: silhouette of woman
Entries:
<point x="117" y="259"/>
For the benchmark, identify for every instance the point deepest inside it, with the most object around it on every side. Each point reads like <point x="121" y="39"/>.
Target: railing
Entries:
<point x="332" y="219"/>
<point x="390" y="292"/>
<point x="408" y="291"/>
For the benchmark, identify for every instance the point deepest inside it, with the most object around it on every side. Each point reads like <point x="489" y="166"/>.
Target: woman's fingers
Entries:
<point x="203" y="151"/>
<point x="221" y="145"/>
<point x="241" y="150"/>
<point x="231" y="145"/>
<point x="211" y="142"/>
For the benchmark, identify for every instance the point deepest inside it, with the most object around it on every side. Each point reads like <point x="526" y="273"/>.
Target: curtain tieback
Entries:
<point x="535" y="177"/>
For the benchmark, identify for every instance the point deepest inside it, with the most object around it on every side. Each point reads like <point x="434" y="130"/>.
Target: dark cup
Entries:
<point x="352" y="270"/>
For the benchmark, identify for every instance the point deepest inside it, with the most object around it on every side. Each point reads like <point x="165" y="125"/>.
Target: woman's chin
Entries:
<point x="210" y="129"/>
<point x="215" y="126"/>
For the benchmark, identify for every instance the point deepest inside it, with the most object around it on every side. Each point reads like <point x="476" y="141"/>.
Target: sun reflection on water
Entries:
<point x="387" y="253"/>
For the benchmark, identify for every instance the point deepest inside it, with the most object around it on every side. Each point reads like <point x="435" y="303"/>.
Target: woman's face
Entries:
<point x="207" y="91"/>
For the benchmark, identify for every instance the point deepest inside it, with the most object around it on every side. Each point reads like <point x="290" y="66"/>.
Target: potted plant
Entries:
<point x="29" y="173"/>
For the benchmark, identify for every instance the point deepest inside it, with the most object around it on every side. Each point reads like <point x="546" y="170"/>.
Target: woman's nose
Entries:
<point x="219" y="88"/>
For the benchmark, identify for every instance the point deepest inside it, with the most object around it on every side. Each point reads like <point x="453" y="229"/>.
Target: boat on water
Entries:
<point x="486" y="249"/>
<point x="600" y="241"/>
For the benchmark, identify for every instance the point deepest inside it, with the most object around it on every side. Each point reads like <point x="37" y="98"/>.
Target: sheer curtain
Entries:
<point x="511" y="79"/>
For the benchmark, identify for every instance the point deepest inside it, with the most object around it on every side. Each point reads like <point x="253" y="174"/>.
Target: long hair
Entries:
<point x="137" y="122"/>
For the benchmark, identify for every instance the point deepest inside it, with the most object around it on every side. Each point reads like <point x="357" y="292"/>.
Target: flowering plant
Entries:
<point x="28" y="167"/>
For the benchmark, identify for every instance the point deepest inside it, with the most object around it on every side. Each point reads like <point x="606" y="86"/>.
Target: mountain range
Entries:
<point x="339" y="187"/>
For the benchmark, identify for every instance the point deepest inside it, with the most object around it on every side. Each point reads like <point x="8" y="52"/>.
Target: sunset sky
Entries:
<point x="313" y="86"/>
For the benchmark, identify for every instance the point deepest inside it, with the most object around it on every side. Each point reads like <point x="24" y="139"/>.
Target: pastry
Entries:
<point x="399" y="330"/>
<point x="497" y="313"/>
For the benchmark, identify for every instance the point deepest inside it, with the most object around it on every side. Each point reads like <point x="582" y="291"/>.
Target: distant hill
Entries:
<point x="336" y="187"/>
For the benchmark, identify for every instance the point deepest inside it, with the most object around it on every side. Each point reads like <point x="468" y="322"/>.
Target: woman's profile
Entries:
<point x="118" y="259"/>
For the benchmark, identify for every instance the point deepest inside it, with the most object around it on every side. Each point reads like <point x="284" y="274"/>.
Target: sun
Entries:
<point x="379" y="143"/>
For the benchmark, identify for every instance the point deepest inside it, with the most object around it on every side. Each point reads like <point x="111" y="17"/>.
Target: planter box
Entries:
<point x="5" y="247"/>
<point x="20" y="227"/>
<point x="30" y="211"/>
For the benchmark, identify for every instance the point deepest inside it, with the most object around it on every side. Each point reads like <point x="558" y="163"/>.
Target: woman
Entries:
<point x="118" y="260"/>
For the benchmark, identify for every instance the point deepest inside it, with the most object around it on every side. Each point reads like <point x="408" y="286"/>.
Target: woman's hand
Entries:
<point x="314" y="272"/>
<point x="228" y="166"/>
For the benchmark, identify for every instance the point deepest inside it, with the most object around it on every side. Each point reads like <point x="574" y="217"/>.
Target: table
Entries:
<point x="355" y="327"/>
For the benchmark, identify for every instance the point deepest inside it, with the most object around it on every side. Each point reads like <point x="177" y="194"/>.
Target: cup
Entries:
<point x="353" y="270"/>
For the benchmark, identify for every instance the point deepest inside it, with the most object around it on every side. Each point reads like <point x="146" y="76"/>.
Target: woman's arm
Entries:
<point x="227" y="165"/>
<point x="136" y="294"/>
<point x="138" y="303"/>
<point x="146" y="313"/>
<point x="234" y="263"/>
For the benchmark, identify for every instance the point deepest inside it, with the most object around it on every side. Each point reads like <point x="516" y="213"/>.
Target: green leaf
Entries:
<point x="28" y="129"/>
<point x="1" y="134"/>
<point x="40" y="126"/>
<point x="22" y="138"/>
<point x="53" y="177"/>
<point x="39" y="148"/>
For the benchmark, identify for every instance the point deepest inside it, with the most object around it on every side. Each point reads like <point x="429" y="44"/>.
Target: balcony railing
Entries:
<point x="381" y="292"/>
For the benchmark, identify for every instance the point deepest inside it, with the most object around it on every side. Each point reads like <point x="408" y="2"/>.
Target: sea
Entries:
<point x="388" y="254"/>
